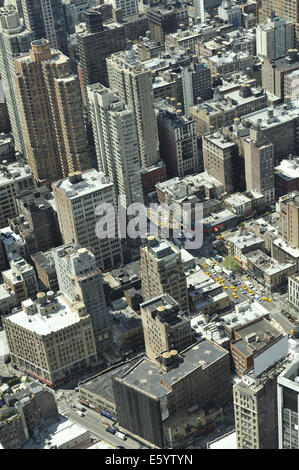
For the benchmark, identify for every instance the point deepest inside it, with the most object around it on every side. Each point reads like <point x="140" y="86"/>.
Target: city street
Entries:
<point x="275" y="306"/>
<point x="92" y="421"/>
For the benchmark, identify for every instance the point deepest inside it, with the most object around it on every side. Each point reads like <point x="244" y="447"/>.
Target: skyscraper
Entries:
<point x="165" y="328"/>
<point x="77" y="198"/>
<point x="196" y="80"/>
<point x="255" y="406"/>
<point x="133" y="82"/>
<point x="95" y="44"/>
<point x="51" y="111"/>
<point x="178" y="142"/>
<point x="80" y="279"/>
<point x="259" y="163"/>
<point x="274" y="38"/>
<point x="286" y="9"/>
<point x="289" y="218"/>
<point x="14" y="40"/>
<point x="162" y="271"/>
<point x="115" y="136"/>
<point x="288" y="399"/>
<point x="46" y="19"/>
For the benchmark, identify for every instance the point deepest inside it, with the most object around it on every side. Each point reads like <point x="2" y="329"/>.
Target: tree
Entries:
<point x="230" y="263"/>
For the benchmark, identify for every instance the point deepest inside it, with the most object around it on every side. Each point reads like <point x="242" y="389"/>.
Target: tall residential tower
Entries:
<point x="115" y="136"/>
<point x="51" y="113"/>
<point x="14" y="40"/>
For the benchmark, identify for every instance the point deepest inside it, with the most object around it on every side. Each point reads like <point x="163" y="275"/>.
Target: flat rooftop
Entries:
<point x="58" y="431"/>
<point x="229" y="441"/>
<point x="13" y="172"/>
<point x="147" y="376"/>
<point x="245" y="240"/>
<point x="288" y="169"/>
<point x="102" y="384"/>
<point x="47" y="324"/>
<point x="92" y="181"/>
<point x="244" y="313"/>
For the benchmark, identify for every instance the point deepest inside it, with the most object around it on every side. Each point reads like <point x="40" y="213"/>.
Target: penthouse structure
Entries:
<point x="50" y="338"/>
<point x="162" y="271"/>
<point x="77" y="198"/>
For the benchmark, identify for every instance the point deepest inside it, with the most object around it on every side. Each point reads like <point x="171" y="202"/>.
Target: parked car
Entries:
<point x="110" y="429"/>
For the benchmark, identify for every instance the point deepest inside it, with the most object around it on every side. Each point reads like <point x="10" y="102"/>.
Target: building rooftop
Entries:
<point x="55" y="433"/>
<point x="245" y="239"/>
<point x="102" y="383"/>
<point x="294" y="252"/>
<point x="181" y="188"/>
<point x="281" y="114"/>
<point x="89" y="182"/>
<point x="288" y="169"/>
<point x="123" y="318"/>
<point x="256" y="336"/>
<point x="11" y="172"/>
<point x="218" y="218"/>
<point x="149" y="377"/>
<point x="244" y="313"/>
<point x="62" y="317"/>
<point x="267" y="264"/>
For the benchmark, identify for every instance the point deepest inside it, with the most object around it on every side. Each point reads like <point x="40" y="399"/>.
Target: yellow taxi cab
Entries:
<point x="269" y="300"/>
<point x="264" y="298"/>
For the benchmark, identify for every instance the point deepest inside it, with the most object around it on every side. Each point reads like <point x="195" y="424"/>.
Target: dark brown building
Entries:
<point x="37" y="219"/>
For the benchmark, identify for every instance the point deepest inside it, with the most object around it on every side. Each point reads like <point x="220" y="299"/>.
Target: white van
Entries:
<point x="120" y="435"/>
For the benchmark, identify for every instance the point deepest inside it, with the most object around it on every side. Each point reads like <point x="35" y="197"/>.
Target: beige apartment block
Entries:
<point x="51" y="339"/>
<point x="51" y="111"/>
<point x="77" y="199"/>
<point x="162" y="271"/>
